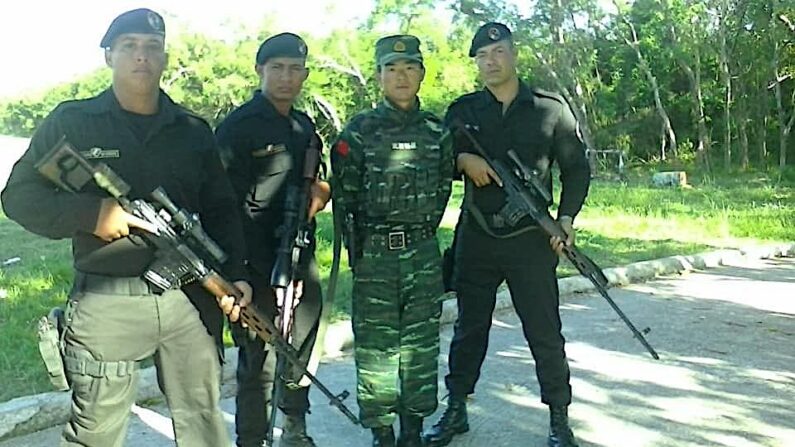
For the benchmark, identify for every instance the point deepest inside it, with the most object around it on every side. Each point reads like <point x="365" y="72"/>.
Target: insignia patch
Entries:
<point x="342" y="148"/>
<point x="404" y="146"/>
<point x="399" y="46"/>
<point x="494" y="33"/>
<point x="302" y="48"/>
<point x="154" y="21"/>
<point x="96" y="153"/>
<point x="268" y="150"/>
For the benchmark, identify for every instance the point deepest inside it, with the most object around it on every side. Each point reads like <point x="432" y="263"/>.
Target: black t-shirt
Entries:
<point x="140" y="124"/>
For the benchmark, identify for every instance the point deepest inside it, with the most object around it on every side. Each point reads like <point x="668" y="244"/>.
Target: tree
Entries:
<point x="668" y="136"/>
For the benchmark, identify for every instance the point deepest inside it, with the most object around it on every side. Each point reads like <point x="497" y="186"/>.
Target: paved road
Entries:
<point x="726" y="378"/>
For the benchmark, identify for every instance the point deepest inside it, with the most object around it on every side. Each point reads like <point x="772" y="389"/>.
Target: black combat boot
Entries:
<point x="410" y="428"/>
<point x="294" y="432"/>
<point x="383" y="437"/>
<point x="453" y="421"/>
<point x="560" y="434"/>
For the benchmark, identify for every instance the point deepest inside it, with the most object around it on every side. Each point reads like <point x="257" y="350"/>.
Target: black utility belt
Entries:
<point x="114" y="285"/>
<point x="399" y="239"/>
<point x="498" y="222"/>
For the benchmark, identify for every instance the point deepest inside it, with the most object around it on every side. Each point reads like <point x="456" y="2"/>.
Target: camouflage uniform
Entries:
<point x="393" y="172"/>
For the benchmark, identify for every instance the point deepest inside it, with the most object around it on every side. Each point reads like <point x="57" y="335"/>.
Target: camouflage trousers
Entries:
<point x="395" y="314"/>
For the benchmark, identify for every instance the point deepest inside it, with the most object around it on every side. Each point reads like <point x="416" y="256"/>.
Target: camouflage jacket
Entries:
<point x="393" y="169"/>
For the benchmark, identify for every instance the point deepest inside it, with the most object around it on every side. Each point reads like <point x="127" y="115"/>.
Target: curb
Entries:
<point x="28" y="414"/>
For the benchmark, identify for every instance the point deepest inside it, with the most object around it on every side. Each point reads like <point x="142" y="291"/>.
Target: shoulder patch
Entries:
<point x="466" y="98"/>
<point x="547" y="94"/>
<point x="342" y="148"/>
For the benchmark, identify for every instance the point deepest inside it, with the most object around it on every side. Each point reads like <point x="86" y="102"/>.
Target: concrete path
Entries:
<point x="726" y="377"/>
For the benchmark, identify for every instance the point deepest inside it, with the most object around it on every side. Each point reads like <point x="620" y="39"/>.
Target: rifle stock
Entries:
<point x="518" y="185"/>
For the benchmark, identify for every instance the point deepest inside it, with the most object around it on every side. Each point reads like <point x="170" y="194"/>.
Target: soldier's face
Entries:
<point x="496" y="62"/>
<point x="137" y="61"/>
<point x="281" y="78"/>
<point x="400" y="81"/>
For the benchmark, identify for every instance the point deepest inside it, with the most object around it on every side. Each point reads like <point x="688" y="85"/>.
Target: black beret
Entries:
<point x="488" y="34"/>
<point x="143" y="21"/>
<point x="281" y="45"/>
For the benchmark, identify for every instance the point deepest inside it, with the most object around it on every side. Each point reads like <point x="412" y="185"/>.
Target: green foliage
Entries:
<point x="577" y="47"/>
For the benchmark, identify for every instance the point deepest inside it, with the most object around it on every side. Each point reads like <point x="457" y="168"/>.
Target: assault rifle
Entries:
<point x="523" y="190"/>
<point x="181" y="248"/>
<point x="294" y="237"/>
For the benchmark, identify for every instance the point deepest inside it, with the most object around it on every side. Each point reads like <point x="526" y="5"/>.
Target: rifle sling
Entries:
<point x="328" y="301"/>
<point x="470" y="206"/>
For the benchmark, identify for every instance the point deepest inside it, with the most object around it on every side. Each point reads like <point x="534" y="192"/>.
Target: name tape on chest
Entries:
<point x="404" y="146"/>
<point x="97" y="153"/>
<point x="269" y="150"/>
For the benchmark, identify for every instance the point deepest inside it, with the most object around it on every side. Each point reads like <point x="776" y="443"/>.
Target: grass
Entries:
<point x="622" y="222"/>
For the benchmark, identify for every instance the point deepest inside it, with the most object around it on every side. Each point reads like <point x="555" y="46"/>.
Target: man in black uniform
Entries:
<point x="540" y="127"/>
<point x="114" y="318"/>
<point x="264" y="143"/>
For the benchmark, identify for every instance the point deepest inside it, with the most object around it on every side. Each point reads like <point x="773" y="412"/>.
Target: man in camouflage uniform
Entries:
<point x="393" y="170"/>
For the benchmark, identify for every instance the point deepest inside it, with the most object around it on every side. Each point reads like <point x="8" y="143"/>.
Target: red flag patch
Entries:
<point x="342" y="148"/>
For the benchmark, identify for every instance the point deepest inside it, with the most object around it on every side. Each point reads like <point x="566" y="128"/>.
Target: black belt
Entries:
<point x="113" y="285"/>
<point x="399" y="239"/>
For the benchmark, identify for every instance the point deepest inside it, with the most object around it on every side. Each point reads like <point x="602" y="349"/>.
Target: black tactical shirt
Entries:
<point x="539" y="126"/>
<point x="264" y="152"/>
<point x="177" y="152"/>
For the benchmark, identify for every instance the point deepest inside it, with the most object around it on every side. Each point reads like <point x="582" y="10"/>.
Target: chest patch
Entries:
<point x="269" y="150"/>
<point x="96" y="153"/>
<point x="404" y="146"/>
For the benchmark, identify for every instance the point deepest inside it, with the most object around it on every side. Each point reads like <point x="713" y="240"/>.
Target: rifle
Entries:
<point x="294" y="237"/>
<point x="178" y="243"/>
<point x="519" y="203"/>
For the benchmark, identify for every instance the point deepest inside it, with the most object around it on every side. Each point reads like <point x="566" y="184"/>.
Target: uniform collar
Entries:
<point x="525" y="94"/>
<point x="107" y="102"/>
<point x="260" y="104"/>
<point x="386" y="108"/>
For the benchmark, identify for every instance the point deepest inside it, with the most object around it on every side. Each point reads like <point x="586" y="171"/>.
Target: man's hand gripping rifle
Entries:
<point x="523" y="190"/>
<point x="178" y="242"/>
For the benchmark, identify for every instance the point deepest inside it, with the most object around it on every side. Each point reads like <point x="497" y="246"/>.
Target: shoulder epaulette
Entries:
<point x="75" y="104"/>
<point x="548" y="94"/>
<point x="466" y="98"/>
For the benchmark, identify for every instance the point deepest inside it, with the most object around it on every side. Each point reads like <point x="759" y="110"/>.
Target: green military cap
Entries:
<point x="141" y="21"/>
<point x="488" y="34"/>
<point x="400" y="46"/>
<point x="281" y="45"/>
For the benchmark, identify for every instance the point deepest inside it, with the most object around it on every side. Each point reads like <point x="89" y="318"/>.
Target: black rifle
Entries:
<point x="294" y="238"/>
<point x="178" y="241"/>
<point x="523" y="190"/>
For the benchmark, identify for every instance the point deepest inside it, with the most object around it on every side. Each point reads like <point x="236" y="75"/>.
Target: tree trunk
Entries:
<point x="704" y="143"/>
<point x="727" y="85"/>
<point x="763" y="141"/>
<point x="784" y="126"/>
<point x="668" y="130"/>
<point x="742" y="129"/>
<point x="576" y="100"/>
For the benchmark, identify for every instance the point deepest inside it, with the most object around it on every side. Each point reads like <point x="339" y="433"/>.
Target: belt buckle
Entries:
<point x="396" y="240"/>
